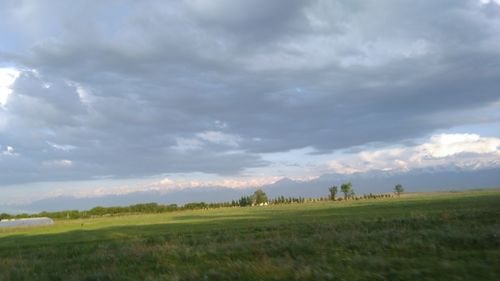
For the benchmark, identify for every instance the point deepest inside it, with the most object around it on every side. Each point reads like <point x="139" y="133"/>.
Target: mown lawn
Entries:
<point x="439" y="236"/>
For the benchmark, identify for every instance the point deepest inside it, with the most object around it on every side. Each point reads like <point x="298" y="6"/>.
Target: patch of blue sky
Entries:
<point x="10" y="42"/>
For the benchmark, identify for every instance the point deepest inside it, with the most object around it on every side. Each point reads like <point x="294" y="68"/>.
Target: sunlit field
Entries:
<point x="435" y="236"/>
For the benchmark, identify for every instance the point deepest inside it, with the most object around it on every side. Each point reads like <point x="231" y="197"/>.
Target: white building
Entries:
<point x="26" y="222"/>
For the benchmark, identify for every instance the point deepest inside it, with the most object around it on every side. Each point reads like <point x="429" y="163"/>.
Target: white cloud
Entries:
<point x="7" y="77"/>
<point x="187" y="144"/>
<point x="83" y="93"/>
<point x="220" y="124"/>
<point x="62" y="163"/>
<point x="469" y="151"/>
<point x="9" y="151"/>
<point x="221" y="138"/>
<point x="243" y="182"/>
<point x="169" y="184"/>
<point x="201" y="139"/>
<point x="484" y="2"/>
<point x="63" y="147"/>
<point x="450" y="144"/>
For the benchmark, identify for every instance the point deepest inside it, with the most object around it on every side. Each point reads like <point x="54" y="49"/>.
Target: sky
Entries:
<point x="110" y="97"/>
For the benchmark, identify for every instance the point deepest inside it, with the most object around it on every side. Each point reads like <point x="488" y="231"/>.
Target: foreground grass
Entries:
<point x="441" y="236"/>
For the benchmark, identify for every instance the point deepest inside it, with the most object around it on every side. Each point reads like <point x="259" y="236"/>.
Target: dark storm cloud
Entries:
<point x="118" y="88"/>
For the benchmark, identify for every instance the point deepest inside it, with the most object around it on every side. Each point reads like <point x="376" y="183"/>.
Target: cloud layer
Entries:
<point x="466" y="151"/>
<point x="134" y="89"/>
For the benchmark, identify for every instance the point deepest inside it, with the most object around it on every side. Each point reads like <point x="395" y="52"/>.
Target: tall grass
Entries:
<point x="444" y="237"/>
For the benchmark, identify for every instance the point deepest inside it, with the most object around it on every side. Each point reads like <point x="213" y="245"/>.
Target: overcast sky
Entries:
<point x="110" y="95"/>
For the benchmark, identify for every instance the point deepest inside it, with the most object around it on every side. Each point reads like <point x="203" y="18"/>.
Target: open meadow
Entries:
<point x="435" y="236"/>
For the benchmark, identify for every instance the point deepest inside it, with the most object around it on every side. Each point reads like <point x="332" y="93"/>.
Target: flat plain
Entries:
<point x="432" y="236"/>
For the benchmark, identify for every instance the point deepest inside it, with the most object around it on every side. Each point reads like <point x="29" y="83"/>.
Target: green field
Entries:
<point x="436" y="236"/>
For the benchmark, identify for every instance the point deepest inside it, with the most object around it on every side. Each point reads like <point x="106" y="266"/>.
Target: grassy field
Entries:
<point x="438" y="236"/>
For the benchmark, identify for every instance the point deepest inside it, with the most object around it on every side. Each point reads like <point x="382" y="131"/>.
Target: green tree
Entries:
<point x="259" y="196"/>
<point x="333" y="192"/>
<point x="398" y="189"/>
<point x="351" y="194"/>
<point x="245" y="201"/>
<point x="5" y="216"/>
<point x="346" y="188"/>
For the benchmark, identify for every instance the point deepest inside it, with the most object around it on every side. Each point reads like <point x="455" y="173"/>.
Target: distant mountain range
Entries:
<point x="371" y="182"/>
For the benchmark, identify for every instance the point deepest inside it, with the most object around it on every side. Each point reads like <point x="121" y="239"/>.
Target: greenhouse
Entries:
<point x="26" y="222"/>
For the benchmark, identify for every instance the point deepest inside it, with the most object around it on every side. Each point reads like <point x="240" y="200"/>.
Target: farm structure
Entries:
<point x="26" y="222"/>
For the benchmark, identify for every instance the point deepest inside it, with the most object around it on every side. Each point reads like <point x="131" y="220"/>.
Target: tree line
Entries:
<point x="258" y="198"/>
<point x="349" y="193"/>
